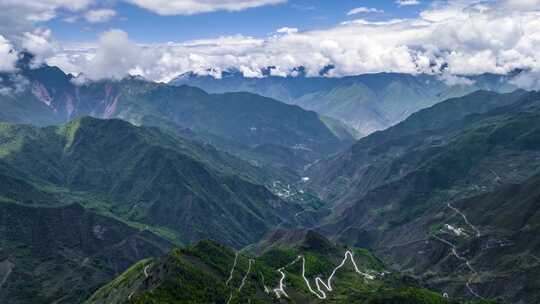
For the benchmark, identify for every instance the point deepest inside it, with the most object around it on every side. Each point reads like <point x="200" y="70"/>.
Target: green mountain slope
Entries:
<point x="211" y="273"/>
<point x="235" y="122"/>
<point x="500" y="243"/>
<point x="414" y="189"/>
<point x="62" y="255"/>
<point x="376" y="159"/>
<point x="145" y="176"/>
<point x="366" y="102"/>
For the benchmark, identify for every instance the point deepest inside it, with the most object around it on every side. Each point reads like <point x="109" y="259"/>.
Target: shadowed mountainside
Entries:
<point x="64" y="254"/>
<point x="421" y="195"/>
<point x="142" y="175"/>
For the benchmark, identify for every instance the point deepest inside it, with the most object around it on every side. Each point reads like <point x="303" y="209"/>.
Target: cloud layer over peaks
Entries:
<point x="190" y="7"/>
<point x="8" y="57"/>
<point x="454" y="38"/>
<point x="457" y="38"/>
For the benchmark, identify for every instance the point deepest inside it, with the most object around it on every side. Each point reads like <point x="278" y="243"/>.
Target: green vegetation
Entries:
<point x="82" y="202"/>
<point x="200" y="274"/>
<point x="367" y="103"/>
<point x="477" y="153"/>
<point x="64" y="254"/>
<point x="240" y="123"/>
<point x="108" y="178"/>
<point x="142" y="176"/>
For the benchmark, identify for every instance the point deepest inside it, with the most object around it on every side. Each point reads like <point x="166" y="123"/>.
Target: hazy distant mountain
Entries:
<point x="448" y="195"/>
<point x="241" y="123"/>
<point x="367" y="102"/>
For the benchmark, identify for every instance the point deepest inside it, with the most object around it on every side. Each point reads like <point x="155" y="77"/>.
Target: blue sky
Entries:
<point x="145" y="26"/>
<point x="114" y="38"/>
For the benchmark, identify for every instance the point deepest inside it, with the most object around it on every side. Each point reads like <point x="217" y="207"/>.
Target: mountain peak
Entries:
<point x="302" y="239"/>
<point x="25" y="60"/>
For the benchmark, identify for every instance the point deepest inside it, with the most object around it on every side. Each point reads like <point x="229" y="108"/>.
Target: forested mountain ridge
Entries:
<point x="368" y="102"/>
<point x="237" y="122"/>
<point x="143" y="175"/>
<point x="313" y="270"/>
<point x="426" y="187"/>
<point x="62" y="254"/>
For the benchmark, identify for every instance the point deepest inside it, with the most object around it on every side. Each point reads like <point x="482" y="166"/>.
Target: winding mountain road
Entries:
<point x="243" y="283"/>
<point x="476" y="230"/>
<point x="467" y="263"/>
<point x="232" y="269"/>
<point x="454" y="247"/>
<point x="266" y="288"/>
<point x="280" y="290"/>
<point x="5" y="269"/>
<point x="322" y="287"/>
<point x="498" y="178"/>
<point x="246" y="275"/>
<point x="145" y="271"/>
<point x="327" y="286"/>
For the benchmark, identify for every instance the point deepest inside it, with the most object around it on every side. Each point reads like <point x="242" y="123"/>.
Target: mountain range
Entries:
<point x="83" y="201"/>
<point x="367" y="103"/>
<point x="446" y="195"/>
<point x="247" y="125"/>
<point x="63" y="254"/>
<point x="130" y="191"/>
<point x="143" y="175"/>
<point x="211" y="273"/>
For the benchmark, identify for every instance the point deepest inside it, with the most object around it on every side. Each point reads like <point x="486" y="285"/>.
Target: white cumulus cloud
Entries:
<point x="527" y="80"/>
<point x="453" y="39"/>
<point x="407" y="2"/>
<point x="523" y="4"/>
<point x="100" y="15"/>
<point x="8" y="57"/>
<point x="19" y="16"/>
<point x="364" y="10"/>
<point x="114" y="57"/>
<point x="453" y="80"/>
<point x="287" y="30"/>
<point x="39" y="42"/>
<point x="190" y="7"/>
